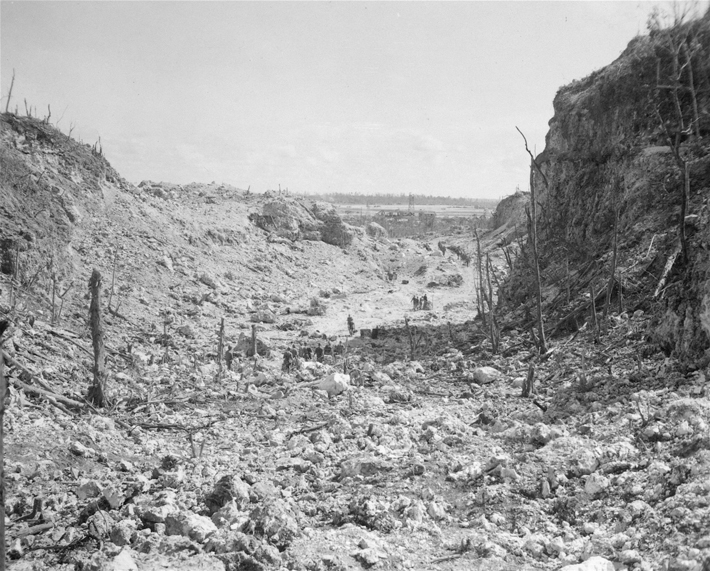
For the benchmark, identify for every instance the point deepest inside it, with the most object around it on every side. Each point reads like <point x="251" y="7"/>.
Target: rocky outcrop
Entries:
<point x="290" y="219"/>
<point x="607" y="152"/>
<point x="511" y="210"/>
<point x="334" y="231"/>
<point x="286" y="218"/>
<point x="50" y="185"/>
<point x="375" y="230"/>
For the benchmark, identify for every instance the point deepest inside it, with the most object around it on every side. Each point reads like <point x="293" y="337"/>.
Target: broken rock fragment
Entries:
<point x="486" y="375"/>
<point x="189" y="524"/>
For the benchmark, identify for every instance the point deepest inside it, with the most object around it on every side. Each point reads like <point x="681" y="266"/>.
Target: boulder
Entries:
<point x="595" y="563"/>
<point x="286" y="218"/>
<point x="374" y="230"/>
<point x="486" y="375"/>
<point x="189" y="524"/>
<point x="263" y="316"/>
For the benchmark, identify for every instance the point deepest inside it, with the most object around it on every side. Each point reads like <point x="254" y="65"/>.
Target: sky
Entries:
<point x="368" y="97"/>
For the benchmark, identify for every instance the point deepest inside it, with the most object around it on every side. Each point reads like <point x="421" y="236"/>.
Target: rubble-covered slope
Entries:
<point x="608" y="151"/>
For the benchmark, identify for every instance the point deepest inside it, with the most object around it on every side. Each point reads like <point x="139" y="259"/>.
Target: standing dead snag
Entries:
<point x="533" y="234"/>
<point x="3" y="390"/>
<point x="411" y="338"/>
<point x="529" y="384"/>
<point x="612" y="274"/>
<point x="97" y="391"/>
<point x="220" y="350"/>
<point x="254" y="351"/>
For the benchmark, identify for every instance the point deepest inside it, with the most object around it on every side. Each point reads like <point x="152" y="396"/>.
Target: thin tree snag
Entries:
<point x="595" y="323"/>
<point x="480" y="296"/>
<point x="411" y="339"/>
<point x="97" y="391"/>
<point x="7" y="106"/>
<point x="3" y="391"/>
<point x="533" y="232"/>
<point x="220" y="349"/>
<point x="529" y="384"/>
<point x="532" y="159"/>
<point x="612" y="274"/>
<point x="253" y="341"/>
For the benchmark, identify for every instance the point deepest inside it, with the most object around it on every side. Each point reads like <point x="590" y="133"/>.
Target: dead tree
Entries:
<point x="411" y="338"/>
<point x="533" y="238"/>
<point x="220" y="350"/>
<point x="529" y="383"/>
<point x="479" y="283"/>
<point x="3" y="391"/>
<point x="595" y="323"/>
<point x="7" y="106"/>
<point x="680" y="48"/>
<point x="612" y="273"/>
<point x="253" y="342"/>
<point x="97" y="391"/>
<point x="494" y="330"/>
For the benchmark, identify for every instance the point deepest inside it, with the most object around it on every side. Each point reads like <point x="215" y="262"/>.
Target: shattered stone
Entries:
<point x="487" y="375"/>
<point x="88" y="489"/>
<point x="595" y="563"/>
<point x="189" y="524"/>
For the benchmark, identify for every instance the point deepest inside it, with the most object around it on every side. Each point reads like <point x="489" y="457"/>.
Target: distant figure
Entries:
<point x="319" y="353"/>
<point x="442" y="247"/>
<point x="338" y="349"/>
<point x="351" y="326"/>
<point x="308" y="353"/>
<point x="328" y="349"/>
<point x="425" y="302"/>
<point x="415" y="303"/>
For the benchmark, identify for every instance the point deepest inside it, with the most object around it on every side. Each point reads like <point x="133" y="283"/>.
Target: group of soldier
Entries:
<point x="420" y="302"/>
<point x="294" y="355"/>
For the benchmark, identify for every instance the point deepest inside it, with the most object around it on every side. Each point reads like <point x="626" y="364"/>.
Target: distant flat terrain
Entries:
<point x="439" y="209"/>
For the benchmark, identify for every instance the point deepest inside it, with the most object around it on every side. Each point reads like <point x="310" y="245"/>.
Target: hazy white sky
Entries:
<point x="397" y="97"/>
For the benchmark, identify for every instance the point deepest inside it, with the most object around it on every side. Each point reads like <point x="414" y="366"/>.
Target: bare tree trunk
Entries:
<point x="536" y="256"/>
<point x="220" y="349"/>
<point x="529" y="384"/>
<point x="610" y="286"/>
<point x="538" y="281"/>
<point x="480" y="293"/>
<point x="693" y="95"/>
<point x="253" y="342"/>
<point x="411" y="339"/>
<point x="3" y="392"/>
<point x="595" y="323"/>
<point x="491" y="308"/>
<point x="7" y="106"/>
<point x="97" y="391"/>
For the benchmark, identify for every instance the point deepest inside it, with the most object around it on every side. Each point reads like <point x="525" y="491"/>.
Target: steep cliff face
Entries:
<point x="611" y="151"/>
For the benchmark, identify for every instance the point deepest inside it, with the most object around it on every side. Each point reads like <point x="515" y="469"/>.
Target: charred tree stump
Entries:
<point x="529" y="384"/>
<point x="97" y="391"/>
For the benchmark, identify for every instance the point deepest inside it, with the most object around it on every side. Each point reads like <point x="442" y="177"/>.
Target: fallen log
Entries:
<point x="49" y="395"/>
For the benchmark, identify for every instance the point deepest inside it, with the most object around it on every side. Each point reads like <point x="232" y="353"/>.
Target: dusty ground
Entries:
<point x="426" y="461"/>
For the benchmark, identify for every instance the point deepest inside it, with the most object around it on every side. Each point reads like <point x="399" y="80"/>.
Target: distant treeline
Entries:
<point x="386" y="199"/>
